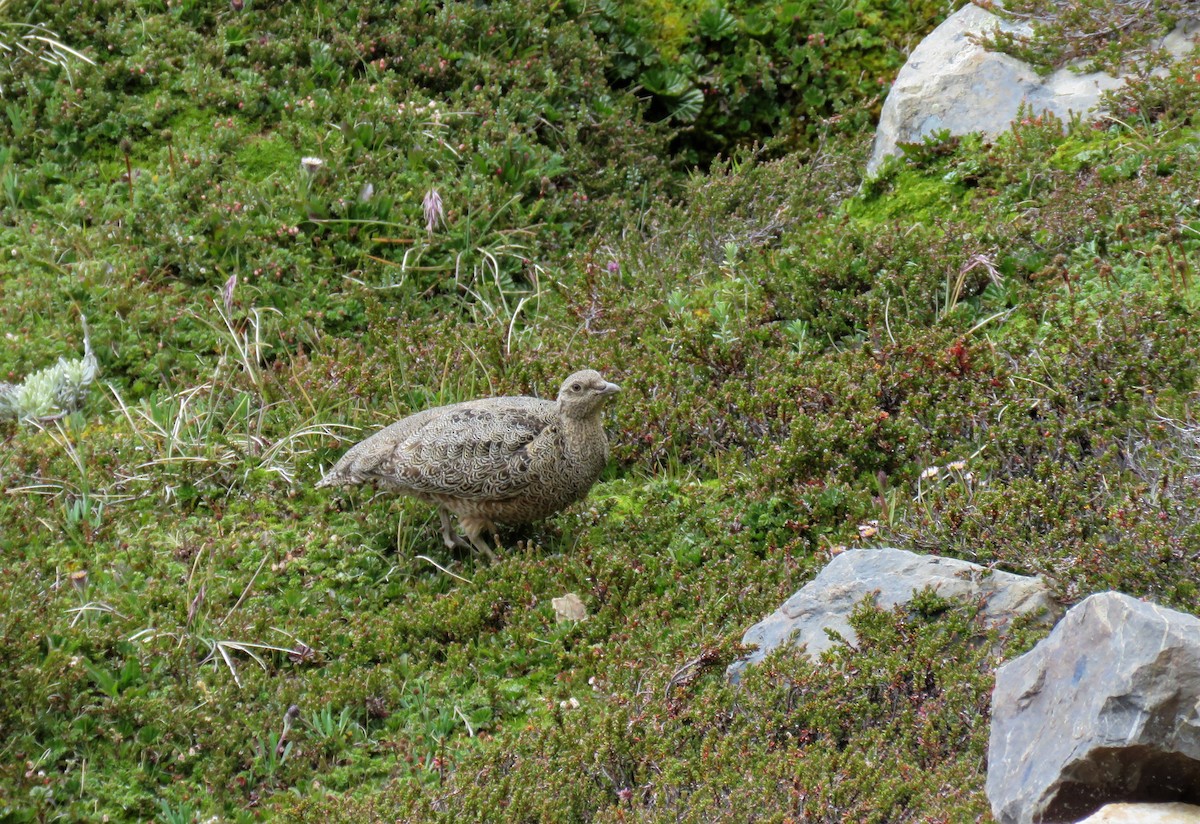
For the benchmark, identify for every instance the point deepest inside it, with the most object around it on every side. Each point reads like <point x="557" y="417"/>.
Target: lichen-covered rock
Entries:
<point x="890" y="576"/>
<point x="952" y="83"/>
<point x="1104" y="709"/>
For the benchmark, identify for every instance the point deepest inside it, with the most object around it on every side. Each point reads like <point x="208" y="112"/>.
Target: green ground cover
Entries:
<point x="188" y="630"/>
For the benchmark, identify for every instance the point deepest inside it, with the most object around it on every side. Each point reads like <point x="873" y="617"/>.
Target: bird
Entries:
<point x="510" y="460"/>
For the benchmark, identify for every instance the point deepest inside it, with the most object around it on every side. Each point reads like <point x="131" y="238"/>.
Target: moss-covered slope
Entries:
<point x="189" y="630"/>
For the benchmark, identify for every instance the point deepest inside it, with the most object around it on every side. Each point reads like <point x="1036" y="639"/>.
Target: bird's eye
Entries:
<point x="576" y="387"/>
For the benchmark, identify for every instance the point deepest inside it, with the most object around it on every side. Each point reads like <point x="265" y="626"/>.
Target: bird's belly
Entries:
<point x="512" y="511"/>
<point x="522" y="509"/>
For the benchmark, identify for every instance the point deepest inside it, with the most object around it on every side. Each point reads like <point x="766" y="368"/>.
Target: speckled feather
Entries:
<point x="510" y="460"/>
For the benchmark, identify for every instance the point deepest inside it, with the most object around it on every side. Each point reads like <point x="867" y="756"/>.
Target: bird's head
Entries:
<point x="583" y="394"/>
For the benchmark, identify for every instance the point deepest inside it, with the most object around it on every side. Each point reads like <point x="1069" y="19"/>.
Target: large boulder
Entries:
<point x="890" y="577"/>
<point x="1172" y="812"/>
<point x="1105" y="709"/>
<point x="950" y="82"/>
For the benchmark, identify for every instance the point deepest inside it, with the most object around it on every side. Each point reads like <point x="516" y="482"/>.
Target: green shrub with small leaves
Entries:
<point x="736" y="73"/>
<point x="51" y="392"/>
<point x="1106" y="35"/>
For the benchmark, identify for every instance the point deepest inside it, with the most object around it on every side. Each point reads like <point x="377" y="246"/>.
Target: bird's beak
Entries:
<point x="610" y="389"/>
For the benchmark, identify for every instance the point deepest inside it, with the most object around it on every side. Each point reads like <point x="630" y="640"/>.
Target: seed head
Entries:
<point x="434" y="214"/>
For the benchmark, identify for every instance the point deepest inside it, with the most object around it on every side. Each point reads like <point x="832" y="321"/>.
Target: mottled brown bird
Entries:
<point x="508" y="460"/>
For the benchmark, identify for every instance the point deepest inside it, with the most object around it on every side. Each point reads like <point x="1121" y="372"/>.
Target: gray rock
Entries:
<point x="1105" y="709"/>
<point x="951" y="83"/>
<point x="890" y="576"/>
<point x="1170" y="813"/>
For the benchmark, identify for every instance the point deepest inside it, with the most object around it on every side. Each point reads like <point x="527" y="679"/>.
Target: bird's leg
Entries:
<point x="475" y="530"/>
<point x="450" y="538"/>
<point x="482" y="546"/>
<point x="491" y="527"/>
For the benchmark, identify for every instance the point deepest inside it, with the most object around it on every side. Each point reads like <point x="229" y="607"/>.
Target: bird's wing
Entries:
<point x="361" y="462"/>
<point x="477" y="450"/>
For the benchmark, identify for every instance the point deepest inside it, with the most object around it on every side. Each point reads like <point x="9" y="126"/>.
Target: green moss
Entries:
<point x="264" y="157"/>
<point x="913" y="196"/>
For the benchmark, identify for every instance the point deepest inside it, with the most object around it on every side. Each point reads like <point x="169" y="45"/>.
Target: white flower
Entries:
<point x="931" y="472"/>
<point x="311" y="164"/>
<point x="956" y="466"/>
<point x="571" y="703"/>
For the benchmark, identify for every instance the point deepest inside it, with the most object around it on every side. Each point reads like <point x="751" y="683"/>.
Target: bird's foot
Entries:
<point x="484" y="549"/>
<point x="455" y="541"/>
<point x="450" y="538"/>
